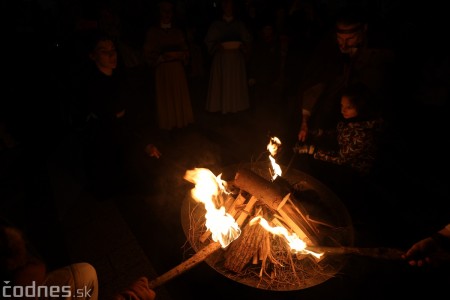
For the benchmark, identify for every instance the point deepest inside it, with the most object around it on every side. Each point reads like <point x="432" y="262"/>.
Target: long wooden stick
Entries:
<point x="197" y="258"/>
<point x="381" y="253"/>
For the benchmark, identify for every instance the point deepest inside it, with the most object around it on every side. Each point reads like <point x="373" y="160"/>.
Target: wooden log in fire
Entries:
<point x="259" y="187"/>
<point x="274" y="197"/>
<point x="243" y="249"/>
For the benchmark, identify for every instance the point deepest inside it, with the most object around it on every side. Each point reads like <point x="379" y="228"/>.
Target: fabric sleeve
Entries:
<point x="352" y="144"/>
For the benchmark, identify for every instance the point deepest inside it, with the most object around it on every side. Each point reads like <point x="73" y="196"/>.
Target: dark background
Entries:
<point x="41" y="50"/>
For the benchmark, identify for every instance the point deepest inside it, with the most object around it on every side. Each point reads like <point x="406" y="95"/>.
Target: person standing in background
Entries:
<point x="166" y="52"/>
<point x="110" y="126"/>
<point x="228" y="42"/>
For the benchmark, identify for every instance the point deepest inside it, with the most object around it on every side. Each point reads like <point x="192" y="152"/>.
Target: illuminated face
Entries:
<point x="350" y="37"/>
<point x="105" y="56"/>
<point x="347" y="109"/>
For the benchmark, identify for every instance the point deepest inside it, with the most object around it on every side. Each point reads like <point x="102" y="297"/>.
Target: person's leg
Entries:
<point x="80" y="277"/>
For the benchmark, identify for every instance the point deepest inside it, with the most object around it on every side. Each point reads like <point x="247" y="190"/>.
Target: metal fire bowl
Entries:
<point x="324" y="209"/>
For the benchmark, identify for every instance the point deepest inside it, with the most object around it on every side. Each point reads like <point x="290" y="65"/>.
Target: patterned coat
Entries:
<point x="358" y="144"/>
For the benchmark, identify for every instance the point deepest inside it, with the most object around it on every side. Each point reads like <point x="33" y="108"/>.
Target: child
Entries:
<point x="357" y="134"/>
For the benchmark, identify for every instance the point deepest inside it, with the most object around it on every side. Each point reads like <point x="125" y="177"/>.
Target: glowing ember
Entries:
<point x="272" y="147"/>
<point x="296" y="244"/>
<point x="208" y="189"/>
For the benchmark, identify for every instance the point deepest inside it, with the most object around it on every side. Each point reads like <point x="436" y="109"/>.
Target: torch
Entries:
<point x="223" y="226"/>
<point x="186" y="265"/>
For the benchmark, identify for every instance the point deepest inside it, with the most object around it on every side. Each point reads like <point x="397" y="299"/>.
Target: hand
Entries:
<point x="138" y="290"/>
<point x="420" y="253"/>
<point x="305" y="149"/>
<point x="433" y="250"/>
<point x="152" y="151"/>
<point x="303" y="133"/>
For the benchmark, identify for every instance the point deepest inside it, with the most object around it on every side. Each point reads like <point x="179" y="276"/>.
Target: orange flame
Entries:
<point x="207" y="190"/>
<point x="272" y="147"/>
<point x="296" y="244"/>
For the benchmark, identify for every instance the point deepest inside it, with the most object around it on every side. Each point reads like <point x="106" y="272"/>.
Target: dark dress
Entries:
<point x="166" y="52"/>
<point x="228" y="87"/>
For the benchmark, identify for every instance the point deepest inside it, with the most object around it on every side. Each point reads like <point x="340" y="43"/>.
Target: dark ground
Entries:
<point x="139" y="232"/>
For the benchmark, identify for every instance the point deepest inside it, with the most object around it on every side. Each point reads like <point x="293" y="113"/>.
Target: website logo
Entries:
<point x="33" y="290"/>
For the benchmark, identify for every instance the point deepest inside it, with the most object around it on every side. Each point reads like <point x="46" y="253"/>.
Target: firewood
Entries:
<point x="259" y="257"/>
<point x="273" y="196"/>
<point x="259" y="187"/>
<point x="244" y="248"/>
<point x="264" y="249"/>
<point x="283" y="202"/>
<point x="294" y="226"/>
<point x="255" y="258"/>
<point x="247" y="210"/>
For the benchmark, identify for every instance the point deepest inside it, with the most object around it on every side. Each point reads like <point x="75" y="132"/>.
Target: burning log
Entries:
<point x="259" y="187"/>
<point x="243" y="249"/>
<point x="277" y="199"/>
<point x="247" y="210"/>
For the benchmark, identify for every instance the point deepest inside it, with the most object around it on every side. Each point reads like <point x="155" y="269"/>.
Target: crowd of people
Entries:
<point x="340" y="91"/>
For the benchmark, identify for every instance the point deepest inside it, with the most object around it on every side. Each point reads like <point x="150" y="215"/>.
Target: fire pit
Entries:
<point x="296" y="203"/>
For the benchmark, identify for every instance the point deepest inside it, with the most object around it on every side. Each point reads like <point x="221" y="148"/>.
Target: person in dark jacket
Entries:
<point x="349" y="55"/>
<point x="111" y="127"/>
